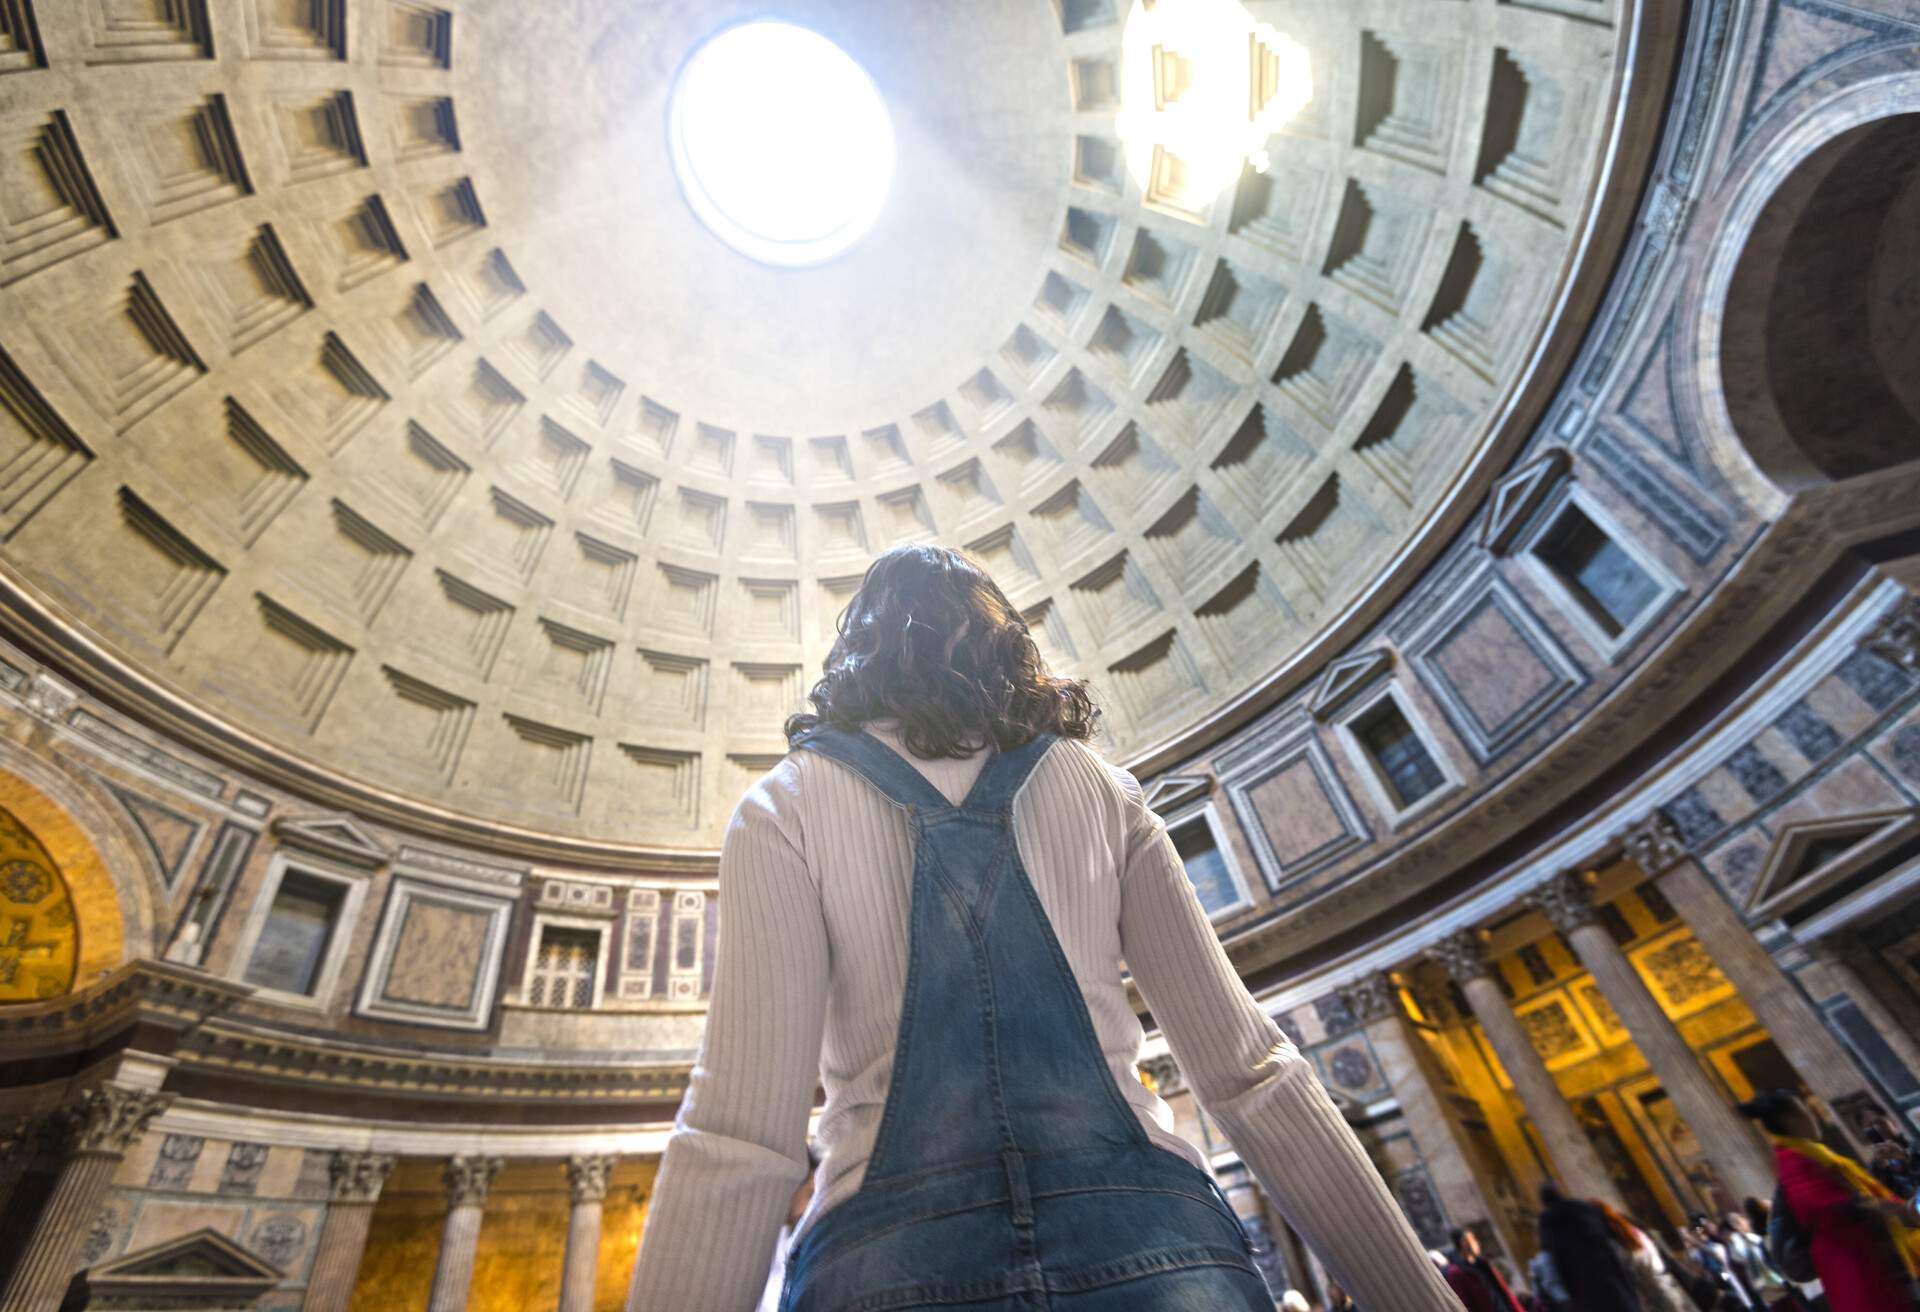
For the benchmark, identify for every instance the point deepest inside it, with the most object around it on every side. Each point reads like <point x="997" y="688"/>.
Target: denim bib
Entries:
<point x="1008" y="1171"/>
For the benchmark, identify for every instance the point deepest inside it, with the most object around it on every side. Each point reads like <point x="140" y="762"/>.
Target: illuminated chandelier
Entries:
<point x="1204" y="85"/>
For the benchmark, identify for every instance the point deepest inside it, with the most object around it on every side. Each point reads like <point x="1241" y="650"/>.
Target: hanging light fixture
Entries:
<point x="1204" y="85"/>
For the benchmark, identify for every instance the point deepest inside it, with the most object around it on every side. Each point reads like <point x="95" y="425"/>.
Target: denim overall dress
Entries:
<point x="1008" y="1171"/>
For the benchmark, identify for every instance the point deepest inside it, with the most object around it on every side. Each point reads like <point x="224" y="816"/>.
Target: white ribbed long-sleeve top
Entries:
<point x="816" y="874"/>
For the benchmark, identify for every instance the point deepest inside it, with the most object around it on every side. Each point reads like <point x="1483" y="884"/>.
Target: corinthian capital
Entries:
<point x="587" y="1177"/>
<point x="1462" y="956"/>
<point x="110" y="1118"/>
<point x="469" y="1178"/>
<point x="1897" y="637"/>
<point x="1566" y="900"/>
<point x="1374" y="998"/>
<point x="357" y="1177"/>
<point x="1654" y="842"/>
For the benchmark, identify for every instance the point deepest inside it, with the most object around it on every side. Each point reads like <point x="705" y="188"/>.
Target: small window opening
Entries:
<point x="292" y="947"/>
<point x="1603" y="577"/>
<point x="1403" y="759"/>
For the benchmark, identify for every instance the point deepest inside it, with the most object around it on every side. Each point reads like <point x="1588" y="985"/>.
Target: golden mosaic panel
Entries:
<point x="39" y="932"/>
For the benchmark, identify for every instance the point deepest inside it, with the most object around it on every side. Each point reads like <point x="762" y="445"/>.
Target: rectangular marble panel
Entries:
<point x="436" y="956"/>
<point x="1292" y="807"/>
<point x="1493" y="667"/>
<point x="439" y="948"/>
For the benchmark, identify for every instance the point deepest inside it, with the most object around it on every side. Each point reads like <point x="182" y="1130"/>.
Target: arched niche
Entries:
<point x="62" y="924"/>
<point x="1820" y="347"/>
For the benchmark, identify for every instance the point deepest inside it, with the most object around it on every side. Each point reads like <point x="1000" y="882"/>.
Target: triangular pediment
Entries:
<point x="1518" y="495"/>
<point x="1344" y="678"/>
<point x="1171" y="792"/>
<point x="202" y="1266"/>
<point x="335" y="836"/>
<point x="168" y="834"/>
<point x="1814" y="856"/>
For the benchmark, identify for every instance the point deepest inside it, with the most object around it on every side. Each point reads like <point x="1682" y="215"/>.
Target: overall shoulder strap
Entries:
<point x="1005" y="773"/>
<point x="879" y="765"/>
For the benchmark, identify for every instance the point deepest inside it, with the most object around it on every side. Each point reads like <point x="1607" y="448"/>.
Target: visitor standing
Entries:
<point x="926" y="906"/>
<point x="1592" y="1268"/>
<point x="1475" y="1281"/>
<point x="1865" y="1240"/>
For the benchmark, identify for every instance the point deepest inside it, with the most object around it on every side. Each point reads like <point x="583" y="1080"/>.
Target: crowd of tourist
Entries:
<point x="1838" y="1236"/>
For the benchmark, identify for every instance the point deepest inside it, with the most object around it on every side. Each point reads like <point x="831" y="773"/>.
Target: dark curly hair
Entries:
<point x="930" y="641"/>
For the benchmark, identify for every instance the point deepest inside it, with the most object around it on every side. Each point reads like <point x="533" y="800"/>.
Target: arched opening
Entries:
<point x="60" y="921"/>
<point x="1821" y="358"/>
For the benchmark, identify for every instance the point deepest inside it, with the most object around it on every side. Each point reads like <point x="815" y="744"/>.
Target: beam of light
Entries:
<point x="1204" y="84"/>
<point x="783" y="145"/>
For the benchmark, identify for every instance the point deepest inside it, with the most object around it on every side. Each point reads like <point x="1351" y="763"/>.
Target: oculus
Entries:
<point x="781" y="141"/>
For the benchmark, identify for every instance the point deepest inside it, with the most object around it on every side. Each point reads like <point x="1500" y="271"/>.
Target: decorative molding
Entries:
<point x="338" y="837"/>
<point x="201" y="1269"/>
<point x="1171" y="793"/>
<point x="1786" y="880"/>
<point x="1654" y="842"/>
<point x="470" y="1178"/>
<point x="436" y="1080"/>
<point x="1517" y="496"/>
<point x="1346" y="677"/>
<point x="354" y="1177"/>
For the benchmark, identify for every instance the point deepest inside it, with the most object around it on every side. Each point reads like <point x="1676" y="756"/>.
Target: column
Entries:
<point x="468" y="1179"/>
<point x="587" y="1184"/>
<point x="1568" y="1147"/>
<point x="98" y="1126"/>
<point x="354" y="1181"/>
<point x="1466" y="1194"/>
<point x="1731" y="1143"/>
<point x="1792" y="1021"/>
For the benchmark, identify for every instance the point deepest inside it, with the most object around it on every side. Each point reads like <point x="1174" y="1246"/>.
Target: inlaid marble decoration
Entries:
<point x="1600" y="1014"/>
<point x="1681" y="974"/>
<point x="1351" y="1068"/>
<point x="245" y="1162"/>
<point x="439" y="946"/>
<point x="281" y="1238"/>
<point x="173" y="1168"/>
<point x="1558" y="1034"/>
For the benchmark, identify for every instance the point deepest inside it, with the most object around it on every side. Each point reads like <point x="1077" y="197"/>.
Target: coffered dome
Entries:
<point x="377" y="408"/>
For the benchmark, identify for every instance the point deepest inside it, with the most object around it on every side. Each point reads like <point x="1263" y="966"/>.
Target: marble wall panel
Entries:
<point x="1295" y="812"/>
<point x="436" y="955"/>
<point x="1493" y="666"/>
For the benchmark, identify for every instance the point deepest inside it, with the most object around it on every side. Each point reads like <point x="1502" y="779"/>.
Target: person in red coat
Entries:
<point x="1475" y="1281"/>
<point x="1865" y="1241"/>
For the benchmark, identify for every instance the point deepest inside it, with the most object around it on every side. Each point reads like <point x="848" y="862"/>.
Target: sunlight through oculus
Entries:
<point x="782" y="143"/>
